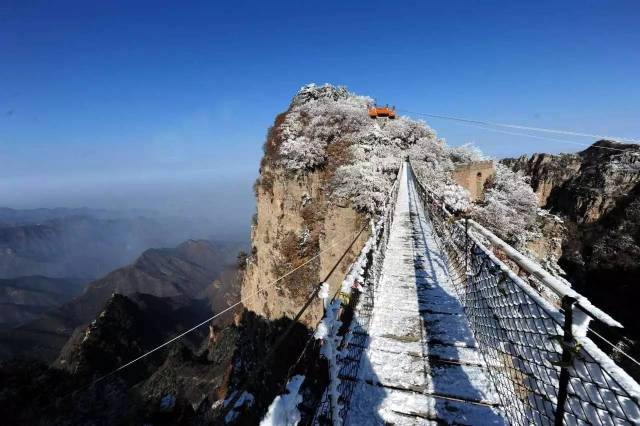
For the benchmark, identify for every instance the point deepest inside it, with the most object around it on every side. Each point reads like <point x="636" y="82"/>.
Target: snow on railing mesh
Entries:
<point x="544" y="368"/>
<point x="364" y="275"/>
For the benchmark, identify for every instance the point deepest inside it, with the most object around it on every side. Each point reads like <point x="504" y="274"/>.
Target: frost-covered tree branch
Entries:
<point x="509" y="207"/>
<point x="371" y="152"/>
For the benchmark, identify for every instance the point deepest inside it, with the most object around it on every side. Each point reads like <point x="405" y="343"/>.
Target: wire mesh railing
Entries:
<point x="544" y="368"/>
<point x="357" y="307"/>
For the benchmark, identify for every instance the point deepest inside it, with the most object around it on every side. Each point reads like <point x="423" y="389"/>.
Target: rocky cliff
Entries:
<point x="296" y="217"/>
<point x="597" y="192"/>
<point x="294" y="221"/>
<point x="586" y="185"/>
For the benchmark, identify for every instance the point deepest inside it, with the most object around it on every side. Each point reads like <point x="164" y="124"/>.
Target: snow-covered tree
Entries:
<point x="318" y="116"/>
<point x="431" y="164"/>
<point x="363" y="184"/>
<point x="371" y="152"/>
<point x="457" y="198"/>
<point x="322" y="116"/>
<point x="466" y="153"/>
<point x="509" y="207"/>
<point x="302" y="153"/>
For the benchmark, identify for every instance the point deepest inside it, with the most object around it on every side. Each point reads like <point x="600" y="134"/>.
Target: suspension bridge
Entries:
<point x="451" y="325"/>
<point x="439" y="321"/>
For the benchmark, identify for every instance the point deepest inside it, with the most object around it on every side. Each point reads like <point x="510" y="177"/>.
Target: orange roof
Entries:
<point x="384" y="111"/>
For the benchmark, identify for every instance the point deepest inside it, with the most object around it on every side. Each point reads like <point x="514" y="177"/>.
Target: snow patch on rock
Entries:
<point x="283" y="411"/>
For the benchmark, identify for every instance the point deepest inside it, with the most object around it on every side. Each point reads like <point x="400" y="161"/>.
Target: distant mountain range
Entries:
<point x="85" y="243"/>
<point x="25" y="298"/>
<point x="116" y="319"/>
<point x="183" y="272"/>
<point x="13" y="217"/>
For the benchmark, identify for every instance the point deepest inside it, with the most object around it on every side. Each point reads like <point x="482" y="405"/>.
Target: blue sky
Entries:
<point x="166" y="104"/>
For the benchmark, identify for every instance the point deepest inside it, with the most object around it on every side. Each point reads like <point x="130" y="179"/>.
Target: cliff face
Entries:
<point x="294" y="220"/>
<point x="597" y="191"/>
<point x="327" y="168"/>
<point x="586" y="185"/>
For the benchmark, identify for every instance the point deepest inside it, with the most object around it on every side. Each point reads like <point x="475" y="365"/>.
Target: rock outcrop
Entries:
<point x="294" y="221"/>
<point x="597" y="192"/>
<point x="586" y="185"/>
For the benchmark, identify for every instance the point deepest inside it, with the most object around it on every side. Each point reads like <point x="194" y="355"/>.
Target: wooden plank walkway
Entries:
<point x="417" y="360"/>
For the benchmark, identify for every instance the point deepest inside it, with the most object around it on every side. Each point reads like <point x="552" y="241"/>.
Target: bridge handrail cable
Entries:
<point x="545" y="370"/>
<point x="365" y="272"/>
<point x="527" y="264"/>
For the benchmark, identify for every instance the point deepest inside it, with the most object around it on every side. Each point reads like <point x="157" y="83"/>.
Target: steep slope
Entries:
<point x="184" y="271"/>
<point x="597" y="191"/>
<point x="586" y="185"/>
<point x="187" y="373"/>
<point x="127" y="327"/>
<point x="25" y="298"/>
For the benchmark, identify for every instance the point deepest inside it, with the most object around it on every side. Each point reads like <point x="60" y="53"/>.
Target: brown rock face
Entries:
<point x="294" y="221"/>
<point x="597" y="191"/>
<point x="297" y="226"/>
<point x="586" y="185"/>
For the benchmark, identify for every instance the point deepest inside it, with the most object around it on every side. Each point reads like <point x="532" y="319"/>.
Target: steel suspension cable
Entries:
<point x="507" y="132"/>
<point x="250" y="379"/>
<point x="309" y="340"/>
<point x="615" y="348"/>
<point x="521" y="127"/>
<point x="213" y="317"/>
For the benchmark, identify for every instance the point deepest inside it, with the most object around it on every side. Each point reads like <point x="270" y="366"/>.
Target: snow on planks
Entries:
<point x="419" y="362"/>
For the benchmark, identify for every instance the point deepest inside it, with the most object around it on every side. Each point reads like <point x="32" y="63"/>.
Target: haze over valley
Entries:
<point x="334" y="213"/>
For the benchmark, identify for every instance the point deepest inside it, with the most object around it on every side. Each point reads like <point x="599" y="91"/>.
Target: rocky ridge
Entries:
<point x="597" y="193"/>
<point x="184" y="271"/>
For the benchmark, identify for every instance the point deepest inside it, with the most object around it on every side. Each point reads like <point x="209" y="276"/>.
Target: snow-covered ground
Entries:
<point x="418" y="360"/>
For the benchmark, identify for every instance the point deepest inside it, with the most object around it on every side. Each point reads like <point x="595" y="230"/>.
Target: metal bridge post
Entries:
<point x="466" y="246"/>
<point x="568" y="344"/>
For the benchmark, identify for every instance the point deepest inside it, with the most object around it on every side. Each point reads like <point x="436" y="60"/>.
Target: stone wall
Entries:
<point x="472" y="177"/>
